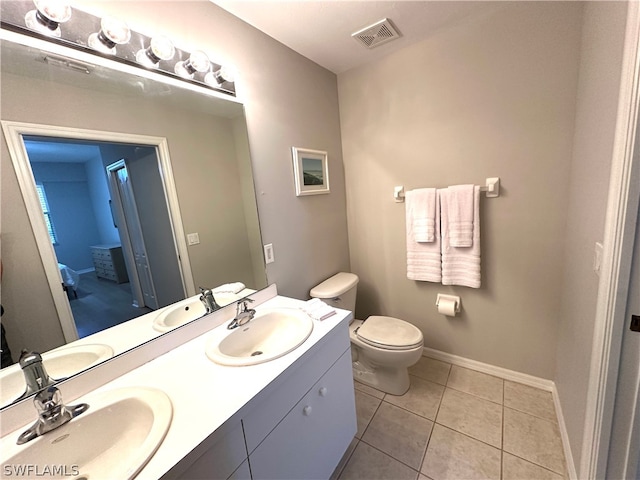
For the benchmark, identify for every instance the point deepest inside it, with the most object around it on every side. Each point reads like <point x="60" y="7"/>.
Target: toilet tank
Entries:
<point x="338" y="291"/>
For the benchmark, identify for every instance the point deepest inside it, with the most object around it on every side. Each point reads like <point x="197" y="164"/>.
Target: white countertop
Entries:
<point x="204" y="394"/>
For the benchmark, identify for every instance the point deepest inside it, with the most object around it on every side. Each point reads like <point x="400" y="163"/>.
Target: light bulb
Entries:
<point x="198" y="62"/>
<point x="48" y="16"/>
<point x="112" y="32"/>
<point x="225" y="74"/>
<point x="160" y="48"/>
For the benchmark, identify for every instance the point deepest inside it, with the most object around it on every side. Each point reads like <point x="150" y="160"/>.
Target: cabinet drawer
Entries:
<point x="273" y="403"/>
<point x="312" y="438"/>
<point x="100" y="254"/>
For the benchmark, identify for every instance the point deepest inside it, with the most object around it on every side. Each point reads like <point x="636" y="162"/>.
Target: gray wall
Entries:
<point x="99" y="190"/>
<point x="493" y="95"/>
<point x="67" y="190"/>
<point x="597" y="102"/>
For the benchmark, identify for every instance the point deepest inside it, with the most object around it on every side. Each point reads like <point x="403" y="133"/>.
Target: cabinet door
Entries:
<point x="311" y="439"/>
<point x="273" y="404"/>
<point x="221" y="459"/>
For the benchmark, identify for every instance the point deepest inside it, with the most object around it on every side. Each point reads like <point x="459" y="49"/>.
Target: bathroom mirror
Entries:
<point x="200" y="139"/>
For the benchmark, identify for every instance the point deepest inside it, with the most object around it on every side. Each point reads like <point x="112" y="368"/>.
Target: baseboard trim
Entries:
<point x="500" y="372"/>
<point x="530" y="380"/>
<point x="571" y="466"/>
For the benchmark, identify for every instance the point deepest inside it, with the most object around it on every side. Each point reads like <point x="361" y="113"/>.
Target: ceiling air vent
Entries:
<point x="377" y="34"/>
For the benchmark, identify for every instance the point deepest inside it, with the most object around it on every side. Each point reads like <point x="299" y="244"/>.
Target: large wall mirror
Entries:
<point x="143" y="191"/>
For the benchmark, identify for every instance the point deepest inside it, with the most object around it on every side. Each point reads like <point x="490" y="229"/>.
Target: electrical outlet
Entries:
<point x="193" y="239"/>
<point x="269" y="257"/>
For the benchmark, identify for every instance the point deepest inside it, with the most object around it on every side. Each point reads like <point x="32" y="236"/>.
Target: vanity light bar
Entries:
<point x="113" y="39"/>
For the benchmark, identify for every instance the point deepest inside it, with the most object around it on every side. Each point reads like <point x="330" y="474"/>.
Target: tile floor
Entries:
<point x="454" y="423"/>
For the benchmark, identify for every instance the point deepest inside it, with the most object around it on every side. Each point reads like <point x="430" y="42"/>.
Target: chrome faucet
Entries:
<point x="35" y="375"/>
<point x="243" y="314"/>
<point x="52" y="413"/>
<point x="208" y="300"/>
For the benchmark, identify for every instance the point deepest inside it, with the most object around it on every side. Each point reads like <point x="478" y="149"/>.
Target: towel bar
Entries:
<point x="491" y="187"/>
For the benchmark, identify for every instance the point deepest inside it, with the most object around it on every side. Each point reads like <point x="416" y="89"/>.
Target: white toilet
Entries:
<point x="383" y="348"/>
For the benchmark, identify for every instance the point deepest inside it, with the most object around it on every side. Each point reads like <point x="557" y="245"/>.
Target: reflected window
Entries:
<point x="44" y="204"/>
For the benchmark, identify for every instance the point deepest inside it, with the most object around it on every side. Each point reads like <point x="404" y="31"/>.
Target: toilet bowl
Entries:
<point x="382" y="348"/>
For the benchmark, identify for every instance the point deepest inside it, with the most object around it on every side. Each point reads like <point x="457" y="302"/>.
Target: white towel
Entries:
<point x="423" y="259"/>
<point x="421" y="208"/>
<point x="460" y="209"/>
<point x="235" y="287"/>
<point x="317" y="309"/>
<point x="460" y="265"/>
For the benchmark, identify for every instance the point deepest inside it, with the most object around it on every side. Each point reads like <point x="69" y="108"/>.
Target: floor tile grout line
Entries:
<point x="551" y="420"/>
<point x="467" y="435"/>
<point x="534" y="463"/>
<point x="564" y="461"/>
<point x="416" y="413"/>
<point x="390" y="456"/>
<point x="371" y="419"/>
<point x="474" y="395"/>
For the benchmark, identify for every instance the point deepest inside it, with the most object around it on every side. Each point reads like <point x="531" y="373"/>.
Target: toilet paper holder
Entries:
<point x="449" y="298"/>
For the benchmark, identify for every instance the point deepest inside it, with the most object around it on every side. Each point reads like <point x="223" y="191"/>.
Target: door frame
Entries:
<point x="14" y="132"/>
<point x="619" y="236"/>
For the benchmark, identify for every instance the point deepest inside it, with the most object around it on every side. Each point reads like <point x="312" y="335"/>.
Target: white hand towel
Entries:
<point x="235" y="287"/>
<point x="421" y="207"/>
<point x="460" y="204"/>
<point x="423" y="259"/>
<point x="317" y="309"/>
<point x="460" y="265"/>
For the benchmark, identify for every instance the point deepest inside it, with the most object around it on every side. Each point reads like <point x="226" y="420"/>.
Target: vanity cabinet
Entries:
<point x="108" y="261"/>
<point x="311" y="439"/>
<point x="301" y="426"/>
<point x="298" y="427"/>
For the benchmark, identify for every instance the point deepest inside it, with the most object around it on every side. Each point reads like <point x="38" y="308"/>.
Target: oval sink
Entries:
<point x="271" y="334"/>
<point x="115" y="438"/>
<point x="179" y="313"/>
<point x="60" y="363"/>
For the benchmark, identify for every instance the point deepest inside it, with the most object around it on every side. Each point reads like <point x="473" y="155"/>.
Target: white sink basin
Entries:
<point x="271" y="334"/>
<point x="60" y="363"/>
<point x="115" y="438"/>
<point x="179" y="313"/>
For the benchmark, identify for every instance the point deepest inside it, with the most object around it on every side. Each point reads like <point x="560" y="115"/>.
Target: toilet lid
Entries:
<point x="390" y="333"/>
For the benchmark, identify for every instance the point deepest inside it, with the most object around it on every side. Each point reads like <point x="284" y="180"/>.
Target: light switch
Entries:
<point x="268" y="253"/>
<point x="193" y="238"/>
<point x="597" y="258"/>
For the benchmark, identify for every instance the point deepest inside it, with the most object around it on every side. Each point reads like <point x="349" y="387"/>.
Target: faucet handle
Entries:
<point x="28" y="358"/>
<point x="47" y="399"/>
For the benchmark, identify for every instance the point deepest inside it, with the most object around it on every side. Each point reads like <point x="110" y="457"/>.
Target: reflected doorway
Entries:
<point x="71" y="179"/>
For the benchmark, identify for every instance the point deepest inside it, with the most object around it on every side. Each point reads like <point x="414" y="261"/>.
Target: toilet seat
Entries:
<point x="389" y="333"/>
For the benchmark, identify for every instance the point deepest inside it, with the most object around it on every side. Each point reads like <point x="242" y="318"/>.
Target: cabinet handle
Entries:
<point x="307" y="410"/>
<point x="323" y="391"/>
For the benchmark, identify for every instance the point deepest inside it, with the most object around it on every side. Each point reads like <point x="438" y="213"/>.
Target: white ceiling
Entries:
<point x="321" y="30"/>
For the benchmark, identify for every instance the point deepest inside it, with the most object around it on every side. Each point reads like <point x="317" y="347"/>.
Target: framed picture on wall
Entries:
<point x="311" y="171"/>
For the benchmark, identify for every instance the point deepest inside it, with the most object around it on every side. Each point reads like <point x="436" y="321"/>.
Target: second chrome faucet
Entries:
<point x="244" y="314"/>
<point x="207" y="298"/>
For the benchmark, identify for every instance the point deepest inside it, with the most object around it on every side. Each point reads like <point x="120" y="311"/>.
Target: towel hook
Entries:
<point x="398" y="194"/>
